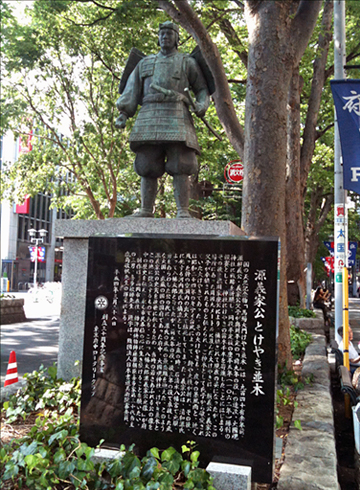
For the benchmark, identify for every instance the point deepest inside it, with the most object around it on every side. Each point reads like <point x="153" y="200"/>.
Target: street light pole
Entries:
<point x="340" y="214"/>
<point x="32" y="233"/>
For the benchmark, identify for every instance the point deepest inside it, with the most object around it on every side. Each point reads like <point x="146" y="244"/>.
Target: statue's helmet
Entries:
<point x="170" y="25"/>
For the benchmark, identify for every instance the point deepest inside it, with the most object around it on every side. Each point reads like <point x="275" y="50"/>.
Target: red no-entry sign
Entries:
<point x="234" y="172"/>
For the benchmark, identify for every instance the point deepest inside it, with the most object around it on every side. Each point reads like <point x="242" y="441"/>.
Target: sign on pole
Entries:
<point x="352" y="248"/>
<point x="346" y="95"/>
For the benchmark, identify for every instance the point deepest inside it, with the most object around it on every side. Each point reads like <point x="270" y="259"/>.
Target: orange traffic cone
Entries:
<point x="12" y="372"/>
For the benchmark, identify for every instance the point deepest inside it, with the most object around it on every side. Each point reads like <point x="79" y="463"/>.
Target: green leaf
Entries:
<point x="189" y="485"/>
<point x="186" y="467"/>
<point x="65" y="469"/>
<point x="58" y="436"/>
<point x="52" y="370"/>
<point x="119" y="485"/>
<point x="3" y="455"/>
<point x="173" y="465"/>
<point x="152" y="485"/>
<point x="115" y="467"/>
<point x="132" y="465"/>
<point x="297" y="424"/>
<point x="43" y="452"/>
<point x="31" y="461"/>
<point x="59" y="456"/>
<point x="11" y="470"/>
<point x="31" y="449"/>
<point x="138" y="485"/>
<point x="85" y="465"/>
<point x="148" y="469"/>
<point x="194" y="456"/>
<point x="155" y="452"/>
<point x="168" y="454"/>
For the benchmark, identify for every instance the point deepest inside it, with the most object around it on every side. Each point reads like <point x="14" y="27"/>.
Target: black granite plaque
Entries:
<point x="180" y="344"/>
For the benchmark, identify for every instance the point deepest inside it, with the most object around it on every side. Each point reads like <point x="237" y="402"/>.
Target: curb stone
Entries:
<point x="310" y="453"/>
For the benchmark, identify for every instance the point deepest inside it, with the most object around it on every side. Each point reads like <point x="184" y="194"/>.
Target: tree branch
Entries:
<point x="234" y="40"/>
<point x="170" y="10"/>
<point x="96" y="21"/>
<point x="324" y="211"/>
<point x="239" y="4"/>
<point x="317" y="85"/>
<point x="321" y="133"/>
<point x="302" y="26"/>
<point x="97" y="4"/>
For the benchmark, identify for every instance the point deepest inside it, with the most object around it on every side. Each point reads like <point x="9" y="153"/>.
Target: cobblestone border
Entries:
<point x="310" y="454"/>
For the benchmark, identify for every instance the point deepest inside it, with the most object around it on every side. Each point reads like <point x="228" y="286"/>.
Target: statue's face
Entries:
<point x="167" y="39"/>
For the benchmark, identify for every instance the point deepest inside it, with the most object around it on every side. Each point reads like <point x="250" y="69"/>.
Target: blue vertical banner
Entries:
<point x="346" y="95"/>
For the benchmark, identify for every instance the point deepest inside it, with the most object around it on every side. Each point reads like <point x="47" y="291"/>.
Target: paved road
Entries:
<point x="35" y="341"/>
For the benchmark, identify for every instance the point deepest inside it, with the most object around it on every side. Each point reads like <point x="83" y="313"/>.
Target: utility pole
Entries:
<point x="340" y="213"/>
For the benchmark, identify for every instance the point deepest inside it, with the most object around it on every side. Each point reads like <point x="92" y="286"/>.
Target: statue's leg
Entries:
<point x="149" y="164"/>
<point x="182" y="195"/>
<point x="148" y="195"/>
<point x="181" y="163"/>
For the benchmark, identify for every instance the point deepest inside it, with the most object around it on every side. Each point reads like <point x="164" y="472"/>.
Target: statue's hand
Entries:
<point x="199" y="109"/>
<point x="120" y="122"/>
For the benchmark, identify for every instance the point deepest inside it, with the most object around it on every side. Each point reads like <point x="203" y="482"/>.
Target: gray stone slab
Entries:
<point x="103" y="455"/>
<point x="230" y="476"/>
<point x="120" y="226"/>
<point x="72" y="312"/>
<point x="75" y="261"/>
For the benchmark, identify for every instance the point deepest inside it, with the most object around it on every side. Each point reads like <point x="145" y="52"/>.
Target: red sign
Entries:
<point x="234" y="172"/>
<point x="23" y="208"/>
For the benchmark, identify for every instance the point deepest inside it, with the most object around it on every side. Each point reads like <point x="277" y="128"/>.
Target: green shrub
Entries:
<point x="297" y="312"/>
<point x="299" y="340"/>
<point x="51" y="456"/>
<point x="43" y="390"/>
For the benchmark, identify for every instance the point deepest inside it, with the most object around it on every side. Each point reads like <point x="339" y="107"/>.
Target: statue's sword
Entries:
<point x="172" y="93"/>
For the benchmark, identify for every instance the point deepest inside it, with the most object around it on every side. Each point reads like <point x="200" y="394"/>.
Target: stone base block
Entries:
<point x="102" y="455"/>
<point x="230" y="476"/>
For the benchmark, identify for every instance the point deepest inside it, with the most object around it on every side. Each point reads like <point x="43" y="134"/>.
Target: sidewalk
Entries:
<point x="34" y="341"/>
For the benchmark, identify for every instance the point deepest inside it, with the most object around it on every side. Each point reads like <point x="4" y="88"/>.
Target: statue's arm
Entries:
<point x="131" y="97"/>
<point x="199" y="87"/>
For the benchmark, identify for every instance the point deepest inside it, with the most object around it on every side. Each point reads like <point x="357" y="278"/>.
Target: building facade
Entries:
<point x="35" y="213"/>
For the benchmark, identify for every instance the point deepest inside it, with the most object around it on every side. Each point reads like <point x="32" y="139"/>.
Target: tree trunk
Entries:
<point x="265" y="143"/>
<point x="295" y="243"/>
<point x="277" y="40"/>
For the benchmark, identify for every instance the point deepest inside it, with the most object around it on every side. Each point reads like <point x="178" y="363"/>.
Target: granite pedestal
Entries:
<point x="75" y="262"/>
